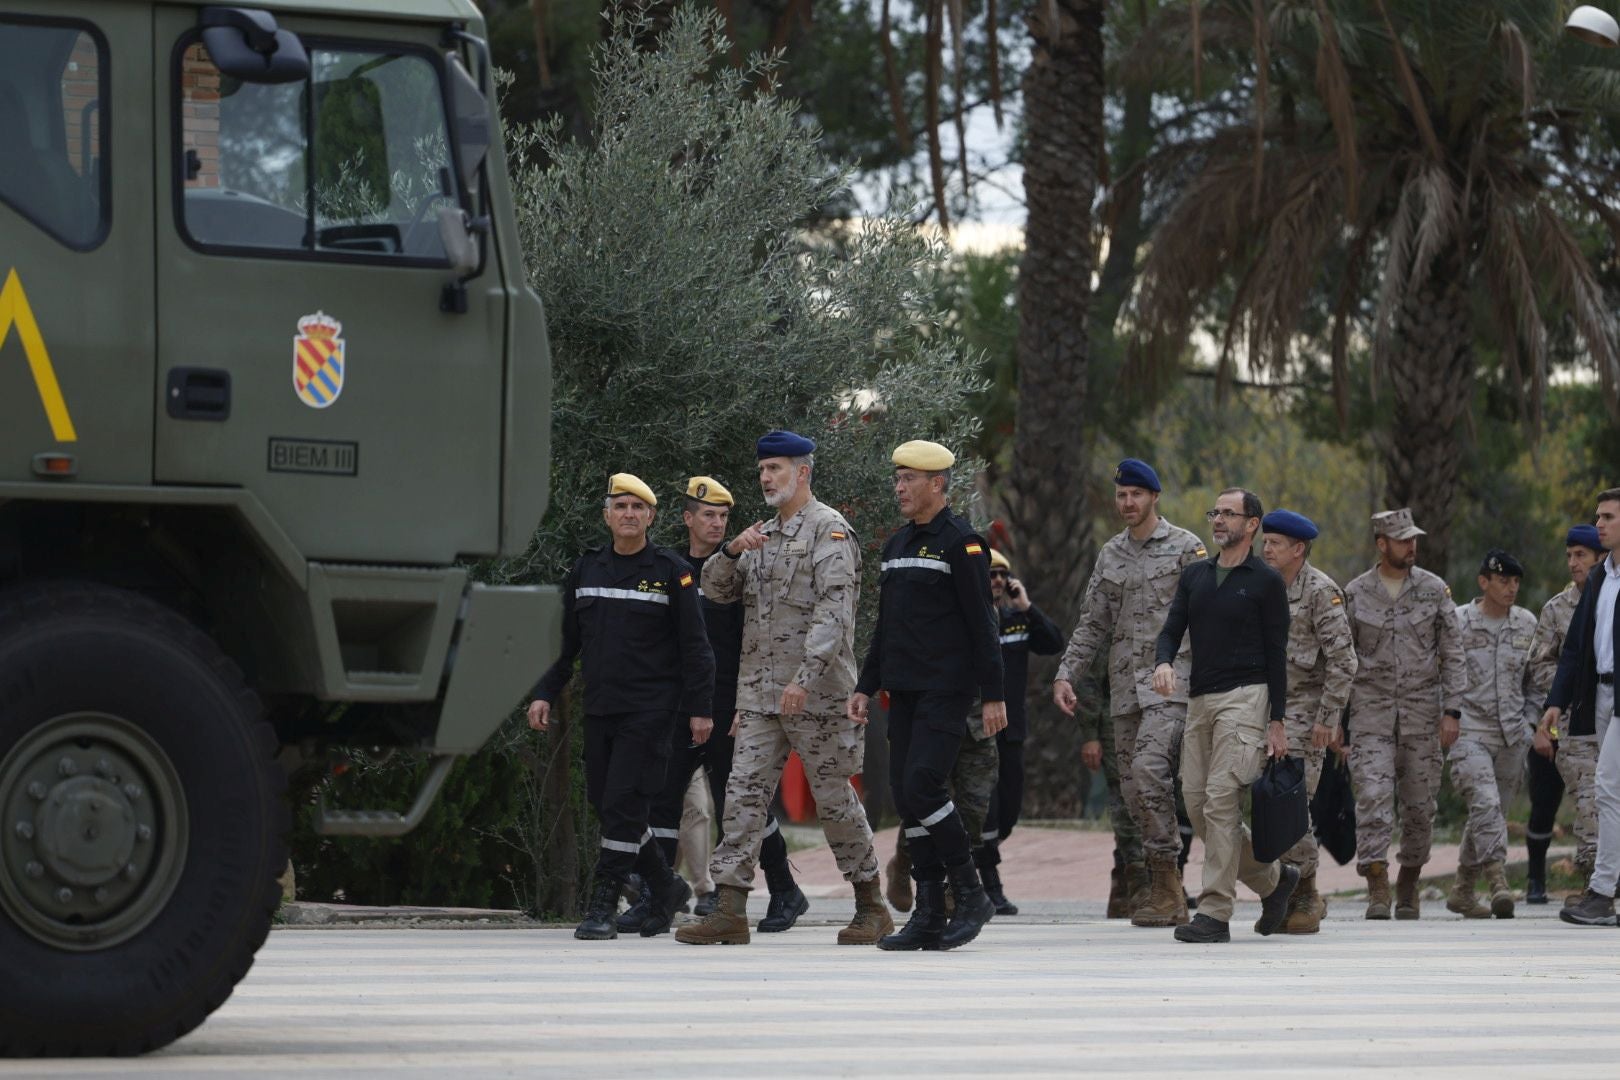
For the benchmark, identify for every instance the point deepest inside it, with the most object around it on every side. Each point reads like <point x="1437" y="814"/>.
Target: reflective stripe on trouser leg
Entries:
<point x="938" y="815"/>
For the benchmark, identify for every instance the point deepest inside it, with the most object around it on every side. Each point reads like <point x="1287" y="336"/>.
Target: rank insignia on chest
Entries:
<point x="686" y="581"/>
<point x="652" y="586"/>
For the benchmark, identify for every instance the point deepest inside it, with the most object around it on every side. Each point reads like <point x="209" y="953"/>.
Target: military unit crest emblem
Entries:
<point x="318" y="361"/>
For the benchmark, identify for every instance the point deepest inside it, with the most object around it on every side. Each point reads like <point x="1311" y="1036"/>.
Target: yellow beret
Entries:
<point x="623" y="483"/>
<point x="706" y="489"/>
<point x="924" y="455"/>
<point x="997" y="559"/>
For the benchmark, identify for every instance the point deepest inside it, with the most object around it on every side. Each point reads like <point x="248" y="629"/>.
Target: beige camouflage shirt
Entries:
<point x="1321" y="650"/>
<point x="1551" y="628"/>
<point x="799" y="593"/>
<point x="1411" y="660"/>
<point x="1126" y="600"/>
<point x="1501" y="697"/>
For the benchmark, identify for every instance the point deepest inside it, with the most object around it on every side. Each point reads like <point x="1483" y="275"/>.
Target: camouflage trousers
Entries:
<point x="973" y="782"/>
<point x="1487" y="771"/>
<point x="1304" y="854"/>
<point x="1148" y="747"/>
<point x="1127" y="836"/>
<point x="1577" y="764"/>
<point x="832" y="750"/>
<point x="1390" y="773"/>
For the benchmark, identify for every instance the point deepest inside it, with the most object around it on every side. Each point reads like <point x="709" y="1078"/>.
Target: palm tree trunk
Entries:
<point x="1063" y="97"/>
<point x="1431" y="374"/>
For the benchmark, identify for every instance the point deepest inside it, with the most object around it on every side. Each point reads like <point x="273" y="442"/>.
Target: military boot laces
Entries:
<point x="1305" y="908"/>
<point x="666" y="900"/>
<point x="1377" y="875"/>
<point x="973" y="907"/>
<point x="1463" y="899"/>
<point x="1592" y="909"/>
<point x="631" y="918"/>
<point x="1501" y="893"/>
<point x="927" y="922"/>
<point x="992" y="889"/>
<point x="1166" y="904"/>
<point x="728" y="925"/>
<point x="872" y="921"/>
<point x="1408" y="905"/>
<point x="598" y="924"/>
<point x="788" y="901"/>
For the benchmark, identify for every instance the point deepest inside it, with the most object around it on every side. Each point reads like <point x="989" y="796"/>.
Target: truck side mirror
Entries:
<point x="246" y="44"/>
<point x="456" y="233"/>
<point x="471" y="117"/>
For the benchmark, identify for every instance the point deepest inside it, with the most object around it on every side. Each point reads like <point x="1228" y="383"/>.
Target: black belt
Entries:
<point x="1606" y="678"/>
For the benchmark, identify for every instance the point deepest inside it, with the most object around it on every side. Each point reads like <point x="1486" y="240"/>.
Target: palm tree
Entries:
<point x="1417" y="174"/>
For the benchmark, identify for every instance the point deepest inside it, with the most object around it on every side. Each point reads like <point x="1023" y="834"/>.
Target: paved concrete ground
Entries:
<point x="1439" y="997"/>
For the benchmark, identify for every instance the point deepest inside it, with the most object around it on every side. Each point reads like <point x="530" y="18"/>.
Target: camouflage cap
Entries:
<point x="1396" y="524"/>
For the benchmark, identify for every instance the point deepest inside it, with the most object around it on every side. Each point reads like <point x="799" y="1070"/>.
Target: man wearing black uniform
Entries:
<point x="934" y="649"/>
<point x="631" y="616"/>
<point x="1025" y="629"/>
<point x="708" y="509"/>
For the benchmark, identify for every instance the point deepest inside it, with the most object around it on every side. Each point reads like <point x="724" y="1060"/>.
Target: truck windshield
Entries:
<point x="352" y="162"/>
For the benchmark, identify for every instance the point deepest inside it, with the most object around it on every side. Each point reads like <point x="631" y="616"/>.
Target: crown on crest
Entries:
<point x="319" y="325"/>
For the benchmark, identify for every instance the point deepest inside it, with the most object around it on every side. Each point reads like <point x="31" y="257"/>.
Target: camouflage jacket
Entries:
<point x="1549" y="641"/>
<point x="1501" y="698"/>
<point x="1410" y="653"/>
<point x="1124" y="607"/>
<point x="799" y="593"/>
<point x="1321" y="650"/>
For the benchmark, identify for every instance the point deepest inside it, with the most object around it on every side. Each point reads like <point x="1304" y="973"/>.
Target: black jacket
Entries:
<point x="936" y="627"/>
<point x="1239" y="628"/>
<point x="638" y="632"/>
<point x="1574" y="688"/>
<point x="1022" y="633"/>
<point x="724" y="623"/>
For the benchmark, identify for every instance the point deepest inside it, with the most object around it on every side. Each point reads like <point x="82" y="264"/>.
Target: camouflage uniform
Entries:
<point x="1321" y="668"/>
<point x="799" y="593"/>
<point x="1499" y="711"/>
<point x="1125" y="603"/>
<point x="1095" y="727"/>
<point x="1577" y="754"/>
<point x="1411" y="669"/>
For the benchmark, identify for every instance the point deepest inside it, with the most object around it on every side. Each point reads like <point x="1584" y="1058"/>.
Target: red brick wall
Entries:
<point x="81" y="87"/>
<point x="199" y="113"/>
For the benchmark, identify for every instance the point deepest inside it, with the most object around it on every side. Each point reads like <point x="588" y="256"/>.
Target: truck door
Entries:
<point x="76" y="297"/>
<point x="306" y="350"/>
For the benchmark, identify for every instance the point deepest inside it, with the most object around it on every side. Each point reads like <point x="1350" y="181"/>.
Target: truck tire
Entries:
<point x="142" y="823"/>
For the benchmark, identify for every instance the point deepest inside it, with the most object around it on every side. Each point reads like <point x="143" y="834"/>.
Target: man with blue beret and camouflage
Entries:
<point x="1321" y="668"/>
<point x="798" y="579"/>
<point x="1126" y="601"/>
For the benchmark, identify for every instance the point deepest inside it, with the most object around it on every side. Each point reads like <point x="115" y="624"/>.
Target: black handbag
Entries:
<point x="1333" y="810"/>
<point x="1279" y="809"/>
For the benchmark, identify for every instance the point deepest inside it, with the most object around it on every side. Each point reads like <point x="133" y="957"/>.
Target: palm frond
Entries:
<point x="1572" y="285"/>
<point x="1409" y="87"/>
<point x="1333" y="84"/>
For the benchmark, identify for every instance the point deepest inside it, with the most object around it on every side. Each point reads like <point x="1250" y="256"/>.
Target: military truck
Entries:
<point x="271" y="379"/>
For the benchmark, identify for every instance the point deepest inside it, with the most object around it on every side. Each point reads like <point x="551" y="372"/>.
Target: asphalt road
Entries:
<point x="1439" y="997"/>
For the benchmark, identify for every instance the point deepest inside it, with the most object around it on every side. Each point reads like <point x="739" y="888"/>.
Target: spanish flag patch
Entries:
<point x="837" y="536"/>
<point x="686" y="581"/>
<point x="974" y="549"/>
<point x="1337" y="600"/>
<point x="1202" y="553"/>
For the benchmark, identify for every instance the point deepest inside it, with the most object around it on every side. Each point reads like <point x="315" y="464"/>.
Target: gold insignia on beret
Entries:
<point x="624" y="483"/>
<point x="923" y="455"/>
<point x="706" y="489"/>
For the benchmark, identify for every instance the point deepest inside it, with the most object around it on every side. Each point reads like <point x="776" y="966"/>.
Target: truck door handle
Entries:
<point x="199" y="394"/>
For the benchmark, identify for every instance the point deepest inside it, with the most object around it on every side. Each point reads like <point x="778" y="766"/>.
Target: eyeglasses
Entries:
<point x="1231" y="515"/>
<point x="998" y="573"/>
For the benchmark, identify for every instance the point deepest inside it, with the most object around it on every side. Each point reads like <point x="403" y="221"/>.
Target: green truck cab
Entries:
<point x="270" y="379"/>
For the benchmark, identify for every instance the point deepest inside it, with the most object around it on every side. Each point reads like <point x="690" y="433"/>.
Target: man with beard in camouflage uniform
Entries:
<point x="1499" y="710"/>
<point x="1126" y="600"/>
<point x="1574" y="757"/>
<point x="798" y="576"/>
<point x="1321" y="667"/>
<point x="1405" y="708"/>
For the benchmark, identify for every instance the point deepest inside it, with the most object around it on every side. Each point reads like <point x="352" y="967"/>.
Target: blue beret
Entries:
<point x="1584" y="536"/>
<point x="1288" y="523"/>
<point x="783" y="444"/>
<point x="1134" y="473"/>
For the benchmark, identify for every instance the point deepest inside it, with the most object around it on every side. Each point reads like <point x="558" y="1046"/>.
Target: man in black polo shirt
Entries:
<point x="1237" y="609"/>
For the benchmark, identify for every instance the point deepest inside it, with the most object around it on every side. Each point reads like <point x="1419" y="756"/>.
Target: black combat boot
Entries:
<point x="787" y="901"/>
<point x="1274" y="906"/>
<point x="927" y="922"/>
<point x="598" y="924"/>
<point x="662" y="904"/>
<point x="1204" y="930"/>
<point x="706" y="904"/>
<point x="1535" y="890"/>
<point x="973" y="907"/>
<point x="992" y="888"/>
<point x="631" y="918"/>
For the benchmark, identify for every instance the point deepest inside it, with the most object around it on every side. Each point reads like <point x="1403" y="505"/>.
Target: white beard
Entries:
<point x="784" y="494"/>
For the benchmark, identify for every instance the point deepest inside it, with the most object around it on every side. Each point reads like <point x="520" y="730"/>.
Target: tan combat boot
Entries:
<point x="1407" y="905"/>
<point x="1377" y="875"/>
<point x="1166" y="904"/>
<point x="898" y="871"/>
<point x="1138" y="885"/>
<point x="872" y="920"/>
<point x="1501" y="894"/>
<point x="1304" y="908"/>
<point x="1463" y="900"/>
<point x="727" y="925"/>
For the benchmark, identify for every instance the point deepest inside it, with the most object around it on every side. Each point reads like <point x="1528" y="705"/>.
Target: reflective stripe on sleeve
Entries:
<point x="916" y="831"/>
<point x="626" y="846"/>
<point x="665" y="834"/>
<point x="622" y="594"/>
<point x="1008" y="639"/>
<point x="940" y="565"/>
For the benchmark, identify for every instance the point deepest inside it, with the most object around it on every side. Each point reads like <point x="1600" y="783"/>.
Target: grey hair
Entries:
<point x="807" y="460"/>
<point x="946" y="473"/>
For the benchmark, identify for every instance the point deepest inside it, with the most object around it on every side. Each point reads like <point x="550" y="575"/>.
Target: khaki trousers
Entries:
<point x="1222" y="753"/>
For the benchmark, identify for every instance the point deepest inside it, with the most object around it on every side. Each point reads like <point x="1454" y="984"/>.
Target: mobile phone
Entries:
<point x="1013" y="590"/>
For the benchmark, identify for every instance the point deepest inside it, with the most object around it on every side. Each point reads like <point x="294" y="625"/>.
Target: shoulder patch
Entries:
<point x="686" y="581"/>
<point x="1337" y="600"/>
<point x="1202" y="553"/>
<point x="837" y="535"/>
<point x="1448" y="589"/>
<point x="974" y="549"/>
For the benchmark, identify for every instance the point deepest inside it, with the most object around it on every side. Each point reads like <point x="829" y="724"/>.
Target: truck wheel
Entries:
<point x="142" y="823"/>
